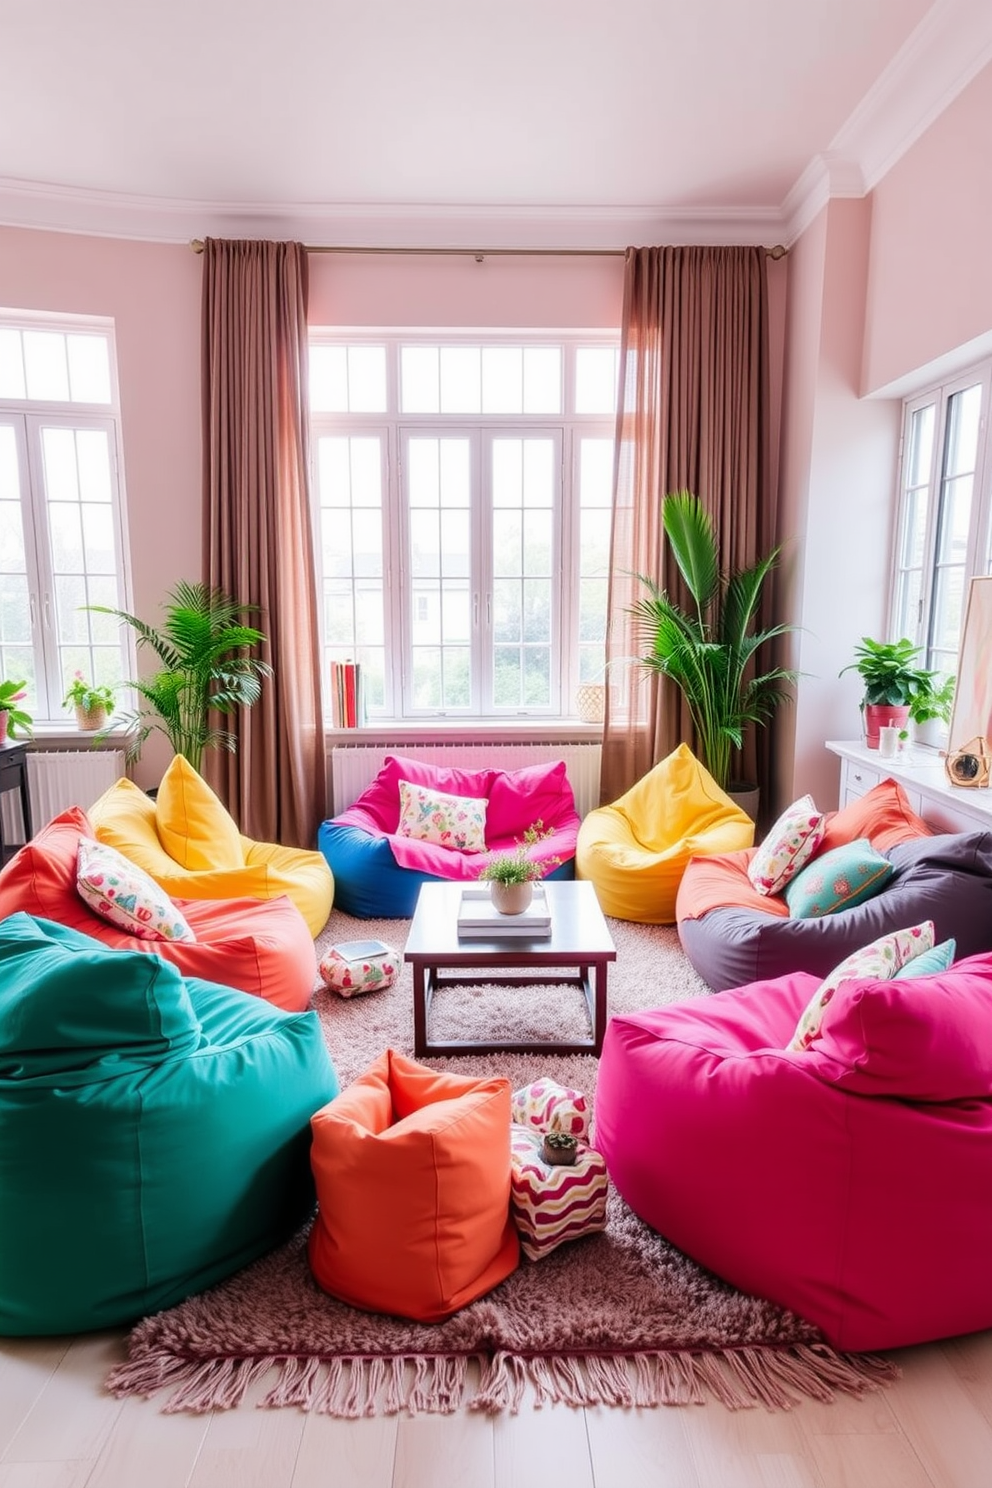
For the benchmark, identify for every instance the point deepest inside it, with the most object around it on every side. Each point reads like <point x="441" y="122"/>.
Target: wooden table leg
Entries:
<point x="419" y="1012"/>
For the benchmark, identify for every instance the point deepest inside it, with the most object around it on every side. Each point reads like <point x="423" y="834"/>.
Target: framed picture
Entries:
<point x="971" y="717"/>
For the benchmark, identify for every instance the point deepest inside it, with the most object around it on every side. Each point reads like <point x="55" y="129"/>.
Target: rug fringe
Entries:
<point x="350" y="1387"/>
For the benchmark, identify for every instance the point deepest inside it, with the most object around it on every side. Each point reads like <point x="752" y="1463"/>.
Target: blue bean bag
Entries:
<point x="378" y="870"/>
<point x="154" y="1131"/>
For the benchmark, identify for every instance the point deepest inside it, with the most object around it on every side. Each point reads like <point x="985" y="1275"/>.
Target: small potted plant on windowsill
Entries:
<point x="511" y="875"/>
<point x="14" y="722"/>
<point x="93" y="703"/>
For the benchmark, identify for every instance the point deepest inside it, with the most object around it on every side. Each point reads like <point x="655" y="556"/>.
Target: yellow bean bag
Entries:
<point x="636" y="850"/>
<point x="188" y="842"/>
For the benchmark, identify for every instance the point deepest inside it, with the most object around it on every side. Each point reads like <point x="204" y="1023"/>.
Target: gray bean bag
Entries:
<point x="947" y="879"/>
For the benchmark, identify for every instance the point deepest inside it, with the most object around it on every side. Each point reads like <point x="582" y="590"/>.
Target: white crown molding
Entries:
<point x="949" y="47"/>
<point x="55" y="208"/>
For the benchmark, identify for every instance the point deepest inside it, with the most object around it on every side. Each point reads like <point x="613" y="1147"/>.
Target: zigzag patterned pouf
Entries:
<point x="553" y="1204"/>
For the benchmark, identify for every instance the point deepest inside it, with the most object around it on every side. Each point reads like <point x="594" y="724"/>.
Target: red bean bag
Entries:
<point x="261" y="946"/>
<point x="413" y="1189"/>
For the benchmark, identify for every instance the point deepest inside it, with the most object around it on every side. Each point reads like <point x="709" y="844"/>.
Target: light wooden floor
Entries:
<point x="931" y="1429"/>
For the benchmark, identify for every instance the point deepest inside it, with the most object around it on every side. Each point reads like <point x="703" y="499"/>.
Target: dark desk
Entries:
<point x="14" y="776"/>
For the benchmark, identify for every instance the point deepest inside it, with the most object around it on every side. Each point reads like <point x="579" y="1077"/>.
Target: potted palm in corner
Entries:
<point x="711" y="651"/>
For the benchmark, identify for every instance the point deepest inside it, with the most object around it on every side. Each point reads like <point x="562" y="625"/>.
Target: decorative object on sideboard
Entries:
<point x="970" y="765"/>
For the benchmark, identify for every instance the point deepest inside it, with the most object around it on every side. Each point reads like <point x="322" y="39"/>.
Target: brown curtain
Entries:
<point x="257" y="539"/>
<point x="692" y="415"/>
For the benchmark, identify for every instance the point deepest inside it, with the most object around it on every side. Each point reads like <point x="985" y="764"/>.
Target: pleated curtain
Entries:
<point x="257" y="535"/>
<point x="692" y="415"/>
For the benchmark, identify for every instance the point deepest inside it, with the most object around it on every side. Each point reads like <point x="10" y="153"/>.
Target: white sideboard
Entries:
<point x="920" y="771"/>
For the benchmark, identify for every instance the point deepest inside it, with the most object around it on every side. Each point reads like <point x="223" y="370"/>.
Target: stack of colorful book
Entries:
<point x="347" y="704"/>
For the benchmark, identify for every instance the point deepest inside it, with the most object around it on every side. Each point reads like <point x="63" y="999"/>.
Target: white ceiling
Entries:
<point x="579" y="118"/>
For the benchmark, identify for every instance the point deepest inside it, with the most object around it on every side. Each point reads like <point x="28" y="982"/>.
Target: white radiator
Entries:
<point x="354" y="766"/>
<point x="58" y="778"/>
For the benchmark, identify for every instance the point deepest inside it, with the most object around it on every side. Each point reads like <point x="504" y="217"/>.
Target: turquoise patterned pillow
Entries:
<point x="838" y="879"/>
<point x="928" y="963"/>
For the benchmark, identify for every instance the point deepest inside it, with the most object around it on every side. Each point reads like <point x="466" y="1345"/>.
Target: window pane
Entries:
<point x="921" y="445"/>
<point x="93" y="459"/>
<point x="596" y="472"/>
<point x="329" y="379"/>
<point x="425" y="544"/>
<point x="11" y="365"/>
<point x="419" y="379"/>
<point x="423" y="460"/>
<point x="947" y="609"/>
<point x="367" y="379"/>
<point x="45" y="364"/>
<point x="61" y="477"/>
<point x="955" y="519"/>
<point x="542" y="379"/>
<point x="460" y="379"/>
<point x="98" y="540"/>
<point x="596" y="373"/>
<point x="366" y="473"/>
<point x="89" y="369"/>
<point x="502" y="379"/>
<point x="454" y="472"/>
<point x="70" y="596"/>
<point x="964" y="410"/>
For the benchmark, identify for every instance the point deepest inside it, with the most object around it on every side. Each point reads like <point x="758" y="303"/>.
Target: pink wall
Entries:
<point x="930" y="283"/>
<point x="839" y="463"/>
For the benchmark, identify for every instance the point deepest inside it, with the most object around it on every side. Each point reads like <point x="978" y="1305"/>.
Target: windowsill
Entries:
<point x="66" y="736"/>
<point x="490" y="730"/>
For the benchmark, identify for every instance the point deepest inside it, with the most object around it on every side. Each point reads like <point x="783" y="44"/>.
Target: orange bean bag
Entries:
<point x="413" y="1189"/>
<point x="261" y="946"/>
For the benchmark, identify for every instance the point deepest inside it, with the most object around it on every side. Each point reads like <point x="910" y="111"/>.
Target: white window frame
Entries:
<point x="565" y="428"/>
<point x="29" y="416"/>
<point x="979" y="545"/>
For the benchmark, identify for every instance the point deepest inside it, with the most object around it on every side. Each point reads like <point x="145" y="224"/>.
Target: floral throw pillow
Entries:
<point x="458" y="822"/>
<point x="123" y="894"/>
<point x="838" y="879"/>
<point x="791" y="842"/>
<point x="882" y="959"/>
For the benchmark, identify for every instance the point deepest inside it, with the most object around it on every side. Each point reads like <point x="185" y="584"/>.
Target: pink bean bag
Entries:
<point x="850" y="1182"/>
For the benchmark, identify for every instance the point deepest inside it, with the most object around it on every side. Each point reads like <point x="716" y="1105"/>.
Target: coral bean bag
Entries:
<point x="413" y="1189"/>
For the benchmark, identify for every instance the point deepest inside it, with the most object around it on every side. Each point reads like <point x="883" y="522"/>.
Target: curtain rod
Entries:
<point x="778" y="251"/>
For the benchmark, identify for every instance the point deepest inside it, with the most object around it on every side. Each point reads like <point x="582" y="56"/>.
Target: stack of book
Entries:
<point x="347" y="704"/>
<point x="478" y="918"/>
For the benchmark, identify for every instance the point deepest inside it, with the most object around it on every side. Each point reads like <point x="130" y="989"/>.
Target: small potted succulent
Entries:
<point x="93" y="703"/>
<point x="560" y="1149"/>
<point x="511" y="875"/>
<point x="13" y="720"/>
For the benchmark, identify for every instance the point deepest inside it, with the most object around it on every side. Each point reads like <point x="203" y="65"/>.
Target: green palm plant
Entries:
<point x="203" y="649"/>
<point x="709" y="651"/>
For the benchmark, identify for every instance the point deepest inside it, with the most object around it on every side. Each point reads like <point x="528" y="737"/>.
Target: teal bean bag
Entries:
<point x="154" y="1131"/>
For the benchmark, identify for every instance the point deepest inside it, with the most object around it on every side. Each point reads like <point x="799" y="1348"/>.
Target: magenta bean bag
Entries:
<point x="851" y="1182"/>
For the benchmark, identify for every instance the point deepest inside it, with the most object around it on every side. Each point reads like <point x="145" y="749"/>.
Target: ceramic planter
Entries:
<point x="511" y="899"/>
<point x="877" y="714"/>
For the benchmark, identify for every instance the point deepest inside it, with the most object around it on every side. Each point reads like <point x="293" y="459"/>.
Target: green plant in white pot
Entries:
<point x="511" y="874"/>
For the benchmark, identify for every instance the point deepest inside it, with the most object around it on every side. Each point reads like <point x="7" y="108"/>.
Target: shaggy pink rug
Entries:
<point x="620" y="1318"/>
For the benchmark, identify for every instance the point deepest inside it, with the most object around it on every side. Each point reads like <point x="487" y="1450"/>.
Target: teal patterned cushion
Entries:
<point x="838" y="879"/>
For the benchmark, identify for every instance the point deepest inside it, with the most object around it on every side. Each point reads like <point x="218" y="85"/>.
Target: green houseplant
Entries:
<point x="511" y="875"/>
<point x="709" y="651"/>
<point x="14" y="721"/>
<point x="203" y="648"/>
<point x="896" y="688"/>
<point x="93" y="702"/>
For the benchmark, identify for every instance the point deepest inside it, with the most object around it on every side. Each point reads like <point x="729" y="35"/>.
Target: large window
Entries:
<point x="61" y="538"/>
<point x="944" y="536"/>
<point x="463" y="489"/>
